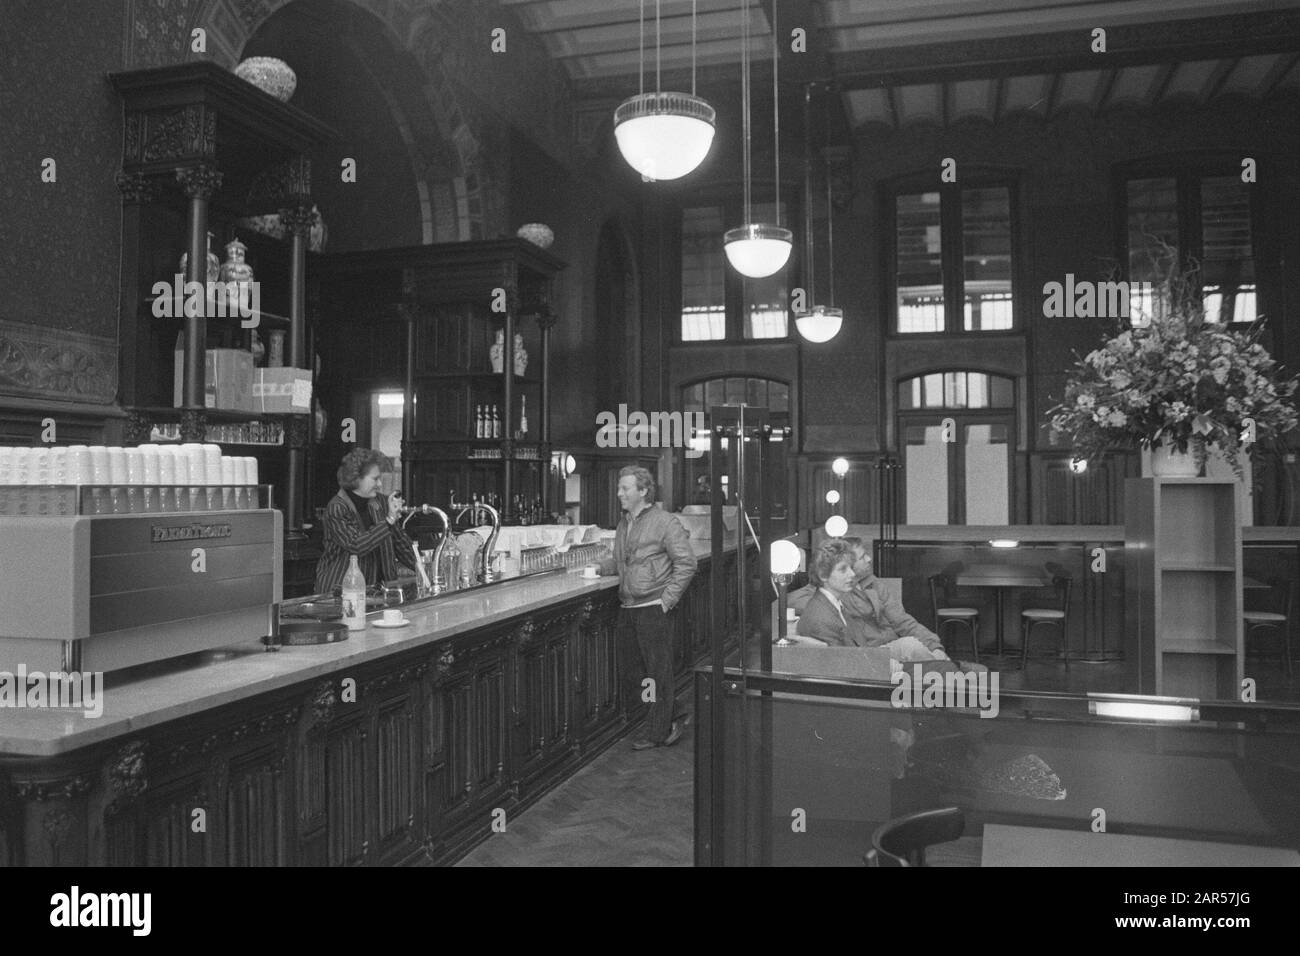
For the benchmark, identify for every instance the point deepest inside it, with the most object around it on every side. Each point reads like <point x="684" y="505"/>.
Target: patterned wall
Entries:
<point x="58" y="316"/>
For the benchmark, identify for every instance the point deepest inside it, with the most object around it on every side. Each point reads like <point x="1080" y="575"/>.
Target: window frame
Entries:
<point x="1188" y="172"/>
<point x="950" y="244"/>
<point x="733" y="286"/>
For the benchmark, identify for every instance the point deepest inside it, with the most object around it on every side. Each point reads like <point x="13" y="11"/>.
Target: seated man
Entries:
<point x="867" y="615"/>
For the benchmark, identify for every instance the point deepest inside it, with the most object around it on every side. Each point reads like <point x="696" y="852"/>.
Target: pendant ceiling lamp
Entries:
<point x="664" y="135"/>
<point x="759" y="249"/>
<point x="820" y="323"/>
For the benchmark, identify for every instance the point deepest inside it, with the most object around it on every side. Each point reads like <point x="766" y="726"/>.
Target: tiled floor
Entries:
<point x="625" y="808"/>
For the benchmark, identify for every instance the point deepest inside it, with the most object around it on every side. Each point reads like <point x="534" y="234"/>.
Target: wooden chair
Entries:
<point x="941" y="587"/>
<point x="1279" y="621"/>
<point x="1060" y="617"/>
<point x="902" y="841"/>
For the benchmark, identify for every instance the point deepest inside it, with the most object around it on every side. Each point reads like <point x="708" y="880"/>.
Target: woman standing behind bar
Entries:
<point x="361" y="521"/>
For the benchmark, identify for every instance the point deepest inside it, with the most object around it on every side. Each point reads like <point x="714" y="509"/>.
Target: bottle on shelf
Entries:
<point x="354" y="596"/>
<point x="478" y="421"/>
<point x="496" y="422"/>
<point x="523" y="416"/>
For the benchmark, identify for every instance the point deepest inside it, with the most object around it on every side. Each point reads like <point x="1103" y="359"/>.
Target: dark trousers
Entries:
<point x="645" y="649"/>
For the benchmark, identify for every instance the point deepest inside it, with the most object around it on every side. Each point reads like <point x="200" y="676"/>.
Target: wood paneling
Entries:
<point x="436" y="740"/>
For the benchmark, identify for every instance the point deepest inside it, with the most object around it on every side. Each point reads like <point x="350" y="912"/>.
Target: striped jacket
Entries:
<point x="380" y="549"/>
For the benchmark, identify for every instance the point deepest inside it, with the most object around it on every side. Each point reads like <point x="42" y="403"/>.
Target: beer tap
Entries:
<point x="436" y="582"/>
<point x="485" y="554"/>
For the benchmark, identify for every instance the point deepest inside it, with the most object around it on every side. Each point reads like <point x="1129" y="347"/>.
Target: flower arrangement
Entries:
<point x="1178" y="381"/>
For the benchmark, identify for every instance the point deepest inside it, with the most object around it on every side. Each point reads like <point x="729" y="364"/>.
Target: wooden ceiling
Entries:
<point x="899" y="62"/>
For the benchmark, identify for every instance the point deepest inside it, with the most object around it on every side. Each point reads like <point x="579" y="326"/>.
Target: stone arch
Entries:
<point x="463" y="203"/>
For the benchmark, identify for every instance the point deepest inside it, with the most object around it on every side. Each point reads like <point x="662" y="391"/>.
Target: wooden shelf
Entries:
<point x="473" y="377"/>
<point x="1196" y="647"/>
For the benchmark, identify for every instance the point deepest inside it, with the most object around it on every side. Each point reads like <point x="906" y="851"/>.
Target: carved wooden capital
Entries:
<point x="321" y="704"/>
<point x="296" y="431"/>
<point x="138" y="428"/>
<point x="194" y="426"/>
<point x="200" y="181"/>
<point x="136" y="188"/>
<point x="127" y="774"/>
<point x="299" y="220"/>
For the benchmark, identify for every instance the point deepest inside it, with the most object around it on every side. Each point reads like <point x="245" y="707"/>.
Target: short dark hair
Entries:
<point x="644" y="480"/>
<point x="357" y="462"/>
<point x="828" y="556"/>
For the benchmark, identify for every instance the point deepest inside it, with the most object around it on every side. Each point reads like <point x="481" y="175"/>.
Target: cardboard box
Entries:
<point x="227" y="379"/>
<point x="281" y="391"/>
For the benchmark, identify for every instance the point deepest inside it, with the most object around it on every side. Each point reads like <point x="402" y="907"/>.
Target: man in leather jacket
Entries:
<point x="654" y="563"/>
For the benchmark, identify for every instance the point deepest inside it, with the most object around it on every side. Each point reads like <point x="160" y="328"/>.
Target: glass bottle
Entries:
<point x="354" y="596"/>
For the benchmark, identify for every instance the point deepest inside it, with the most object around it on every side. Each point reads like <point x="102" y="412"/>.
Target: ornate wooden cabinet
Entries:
<point x="201" y="149"/>
<point x="424" y="320"/>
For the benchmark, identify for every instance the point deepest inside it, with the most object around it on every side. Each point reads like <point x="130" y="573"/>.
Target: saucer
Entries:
<point x="402" y="623"/>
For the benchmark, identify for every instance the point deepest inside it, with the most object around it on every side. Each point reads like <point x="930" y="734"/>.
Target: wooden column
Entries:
<point x="546" y="321"/>
<point x="298" y="221"/>
<point x="199" y="183"/>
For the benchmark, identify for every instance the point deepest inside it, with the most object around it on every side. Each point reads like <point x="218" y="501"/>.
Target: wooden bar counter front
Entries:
<point x="393" y="747"/>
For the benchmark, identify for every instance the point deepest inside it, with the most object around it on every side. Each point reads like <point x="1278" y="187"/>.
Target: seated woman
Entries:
<point x="865" y="614"/>
<point x="361" y="521"/>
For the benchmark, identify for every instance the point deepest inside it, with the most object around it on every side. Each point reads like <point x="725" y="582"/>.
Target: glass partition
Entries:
<point x="809" y="768"/>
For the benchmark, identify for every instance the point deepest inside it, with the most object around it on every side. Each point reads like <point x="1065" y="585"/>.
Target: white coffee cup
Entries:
<point x="394" y="616"/>
<point x="591" y="571"/>
<point x="78" y="469"/>
<point x="149" y="456"/>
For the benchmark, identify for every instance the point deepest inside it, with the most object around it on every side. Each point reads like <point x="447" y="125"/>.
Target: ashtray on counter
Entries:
<point x="302" y="633"/>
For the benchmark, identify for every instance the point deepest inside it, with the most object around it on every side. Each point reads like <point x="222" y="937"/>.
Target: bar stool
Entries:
<point x="1280" y="622"/>
<point x="1059" y="617"/>
<point x="947" y="613"/>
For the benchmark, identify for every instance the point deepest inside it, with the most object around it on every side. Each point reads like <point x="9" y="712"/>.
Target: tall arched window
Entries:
<point x="957" y="434"/>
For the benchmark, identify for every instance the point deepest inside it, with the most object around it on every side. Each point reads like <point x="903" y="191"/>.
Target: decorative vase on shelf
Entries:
<point x="275" y="357"/>
<point x="236" y="270"/>
<point x="270" y="75"/>
<point x="521" y="356"/>
<point x="258" y="349"/>
<point x="538" y="233"/>
<point x="1168" y="462"/>
<point x="497" y="353"/>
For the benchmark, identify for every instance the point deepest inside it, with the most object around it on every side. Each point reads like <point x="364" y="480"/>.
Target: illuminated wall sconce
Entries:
<point x="832" y="497"/>
<point x="1078" y="465"/>
<point x="840" y="466"/>
<point x="837" y="526"/>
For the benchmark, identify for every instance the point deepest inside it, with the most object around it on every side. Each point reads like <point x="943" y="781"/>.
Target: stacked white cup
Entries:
<point x="196" y="462"/>
<point x="168" y="498"/>
<point x="212" y="471"/>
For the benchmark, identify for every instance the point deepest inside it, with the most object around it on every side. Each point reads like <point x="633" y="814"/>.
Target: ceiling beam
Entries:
<point x="1162" y="83"/>
<point x="1185" y="40"/>
<point x="1053" y="89"/>
<point x="1222" y="71"/>
<point x="893" y="107"/>
<point x="1278" y="74"/>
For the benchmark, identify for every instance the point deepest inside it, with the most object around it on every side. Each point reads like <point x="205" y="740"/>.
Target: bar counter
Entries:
<point x="395" y="746"/>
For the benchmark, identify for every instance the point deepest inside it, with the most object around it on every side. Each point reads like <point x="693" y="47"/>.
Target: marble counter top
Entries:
<point x="246" y="670"/>
<point x="242" y="671"/>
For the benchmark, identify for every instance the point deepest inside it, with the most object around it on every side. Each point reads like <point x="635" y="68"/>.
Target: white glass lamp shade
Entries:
<point x="785" y="557"/>
<point x="820" y="323"/>
<point x="837" y="526"/>
<point x="840" y="466"/>
<point x="664" y="135"/>
<point x="758" y="250"/>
